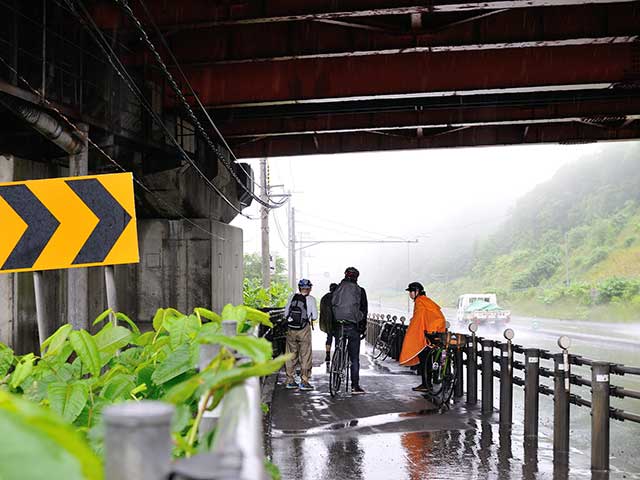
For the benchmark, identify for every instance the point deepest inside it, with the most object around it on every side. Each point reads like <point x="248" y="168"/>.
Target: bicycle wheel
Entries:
<point x="449" y="380"/>
<point x="335" y="371"/>
<point x="376" y="352"/>
<point x="436" y="374"/>
<point x="391" y="338"/>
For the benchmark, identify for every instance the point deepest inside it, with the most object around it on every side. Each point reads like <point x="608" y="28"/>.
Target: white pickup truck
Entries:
<point x="481" y="309"/>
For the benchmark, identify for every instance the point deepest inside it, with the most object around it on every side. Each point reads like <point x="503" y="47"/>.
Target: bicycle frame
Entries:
<point x="340" y="365"/>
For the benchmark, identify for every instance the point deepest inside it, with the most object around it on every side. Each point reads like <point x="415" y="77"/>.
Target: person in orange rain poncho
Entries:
<point x="427" y="319"/>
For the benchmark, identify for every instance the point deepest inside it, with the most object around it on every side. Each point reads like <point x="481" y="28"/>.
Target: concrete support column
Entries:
<point x="78" y="278"/>
<point x="7" y="325"/>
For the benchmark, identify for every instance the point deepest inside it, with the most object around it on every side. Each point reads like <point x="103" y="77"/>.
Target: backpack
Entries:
<point x="298" y="317"/>
<point x="346" y="302"/>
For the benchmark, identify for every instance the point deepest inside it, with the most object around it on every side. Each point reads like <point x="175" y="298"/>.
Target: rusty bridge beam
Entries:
<point x="456" y="137"/>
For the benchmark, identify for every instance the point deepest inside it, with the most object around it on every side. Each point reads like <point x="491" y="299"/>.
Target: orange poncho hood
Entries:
<point x="427" y="317"/>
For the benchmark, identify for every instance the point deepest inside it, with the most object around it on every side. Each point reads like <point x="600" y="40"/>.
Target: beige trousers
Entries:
<point x="299" y="344"/>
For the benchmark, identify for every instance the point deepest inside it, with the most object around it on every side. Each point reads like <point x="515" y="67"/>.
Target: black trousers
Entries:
<point x="425" y="367"/>
<point x="353" y="347"/>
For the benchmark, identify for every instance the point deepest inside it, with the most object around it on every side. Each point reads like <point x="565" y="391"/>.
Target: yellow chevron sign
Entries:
<point x="67" y="223"/>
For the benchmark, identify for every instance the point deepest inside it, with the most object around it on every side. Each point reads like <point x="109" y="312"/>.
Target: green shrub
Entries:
<point x="597" y="256"/>
<point x="629" y="242"/>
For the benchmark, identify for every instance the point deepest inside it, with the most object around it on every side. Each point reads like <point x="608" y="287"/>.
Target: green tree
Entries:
<point x="253" y="268"/>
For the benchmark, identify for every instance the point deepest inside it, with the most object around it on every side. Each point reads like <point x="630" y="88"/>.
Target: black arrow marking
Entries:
<point x="41" y="225"/>
<point x="113" y="219"/>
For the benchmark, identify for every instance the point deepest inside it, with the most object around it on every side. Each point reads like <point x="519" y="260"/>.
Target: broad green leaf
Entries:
<point x="110" y="339"/>
<point x="36" y="444"/>
<point x="103" y="316"/>
<point x="118" y="387"/>
<point x="182" y="418"/>
<point x="182" y="329"/>
<point x="207" y="330"/>
<point x="121" y="317"/>
<point x="158" y="319"/>
<point x="144" y="339"/>
<point x="22" y="371"/>
<point x="258" y="349"/>
<point x="6" y="360"/>
<point x="87" y="350"/>
<point x="182" y="392"/>
<point x="257" y="317"/>
<point x="179" y="362"/>
<point x="52" y="345"/>
<point x="214" y="380"/>
<point x="161" y="316"/>
<point x="68" y="399"/>
<point x="208" y="314"/>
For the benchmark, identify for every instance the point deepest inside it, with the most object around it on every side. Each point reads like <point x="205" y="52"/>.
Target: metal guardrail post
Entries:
<point x="487" y="376"/>
<point x="459" y="388"/>
<point x="472" y="368"/>
<point x="600" y="416"/>
<point x="561" y="410"/>
<point x="506" y="380"/>
<point x="531" y="393"/>
<point x="138" y="440"/>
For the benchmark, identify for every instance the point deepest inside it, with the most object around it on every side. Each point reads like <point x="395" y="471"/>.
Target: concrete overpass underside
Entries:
<point x="325" y="76"/>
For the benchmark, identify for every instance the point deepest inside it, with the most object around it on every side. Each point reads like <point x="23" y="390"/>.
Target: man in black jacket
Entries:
<point x="326" y="320"/>
<point x="350" y="308"/>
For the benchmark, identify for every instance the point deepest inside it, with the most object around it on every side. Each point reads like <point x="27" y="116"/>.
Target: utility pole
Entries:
<point x="264" y="219"/>
<point x="566" y="257"/>
<point x="292" y="247"/>
<point x="301" y="234"/>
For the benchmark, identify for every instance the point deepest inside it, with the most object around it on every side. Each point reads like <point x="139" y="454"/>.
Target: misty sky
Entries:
<point x="435" y="196"/>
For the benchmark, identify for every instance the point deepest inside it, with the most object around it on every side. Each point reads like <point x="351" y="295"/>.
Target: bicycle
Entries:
<point x="340" y="365"/>
<point x="441" y="367"/>
<point x="387" y="338"/>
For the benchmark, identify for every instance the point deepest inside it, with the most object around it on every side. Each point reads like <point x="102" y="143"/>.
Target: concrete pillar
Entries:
<point x="7" y="325"/>
<point x="78" y="278"/>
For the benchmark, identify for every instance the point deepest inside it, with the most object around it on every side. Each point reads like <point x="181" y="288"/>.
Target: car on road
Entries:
<point x="481" y="309"/>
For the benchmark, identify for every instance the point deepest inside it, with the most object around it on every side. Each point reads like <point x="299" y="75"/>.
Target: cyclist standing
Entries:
<point x="326" y="320"/>
<point x="300" y="311"/>
<point x="350" y="307"/>
<point x="427" y="319"/>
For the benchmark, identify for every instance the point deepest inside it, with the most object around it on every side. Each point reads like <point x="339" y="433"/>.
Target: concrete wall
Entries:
<point x="183" y="264"/>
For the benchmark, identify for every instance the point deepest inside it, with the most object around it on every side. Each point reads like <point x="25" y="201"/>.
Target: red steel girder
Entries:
<point x="459" y="137"/>
<point x="190" y="14"/>
<point x="413" y="73"/>
<point x="581" y="24"/>
<point x="431" y="118"/>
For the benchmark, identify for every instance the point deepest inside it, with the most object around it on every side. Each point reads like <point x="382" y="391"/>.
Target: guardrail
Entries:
<point x="530" y="363"/>
<point x="138" y="436"/>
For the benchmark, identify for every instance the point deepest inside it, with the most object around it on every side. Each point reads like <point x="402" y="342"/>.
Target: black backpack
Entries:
<point x="298" y="316"/>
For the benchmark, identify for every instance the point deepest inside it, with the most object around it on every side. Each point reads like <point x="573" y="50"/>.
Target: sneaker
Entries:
<point x="420" y="388"/>
<point x="291" y="385"/>
<point x="305" y="386"/>
<point x="357" y="391"/>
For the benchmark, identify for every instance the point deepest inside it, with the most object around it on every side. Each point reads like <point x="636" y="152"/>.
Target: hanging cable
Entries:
<point x="193" y="92"/>
<point x="83" y="135"/>
<point x="192" y="117"/>
<point x="121" y="71"/>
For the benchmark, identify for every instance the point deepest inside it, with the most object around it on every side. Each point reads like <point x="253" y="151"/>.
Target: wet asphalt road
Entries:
<point x="394" y="433"/>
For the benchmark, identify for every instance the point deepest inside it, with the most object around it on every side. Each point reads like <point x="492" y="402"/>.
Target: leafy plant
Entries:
<point x="79" y="374"/>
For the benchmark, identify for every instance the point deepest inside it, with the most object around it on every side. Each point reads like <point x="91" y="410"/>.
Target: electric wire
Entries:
<point x="124" y="75"/>
<point x="280" y="234"/>
<point x="163" y="39"/>
<point x="83" y="135"/>
<point x="178" y="92"/>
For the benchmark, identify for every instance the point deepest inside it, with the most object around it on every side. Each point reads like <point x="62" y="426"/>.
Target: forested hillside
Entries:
<point x="571" y="247"/>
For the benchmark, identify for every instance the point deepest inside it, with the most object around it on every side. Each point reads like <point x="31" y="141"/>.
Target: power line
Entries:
<point x="121" y="71"/>
<point x="191" y="90"/>
<point x="82" y="134"/>
<point x="349" y="226"/>
<point x="174" y="86"/>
